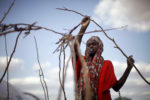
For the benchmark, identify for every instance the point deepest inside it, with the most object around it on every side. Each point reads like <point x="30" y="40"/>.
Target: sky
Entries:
<point x="134" y="40"/>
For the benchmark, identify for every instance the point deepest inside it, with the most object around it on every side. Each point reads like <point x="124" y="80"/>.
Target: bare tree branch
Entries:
<point x="10" y="57"/>
<point x="8" y="69"/>
<point x="120" y="51"/>
<point x="65" y="9"/>
<point x="61" y="82"/>
<point x="42" y="79"/>
<point x="106" y="29"/>
<point x="7" y="11"/>
<point x="70" y="11"/>
<point x="64" y="78"/>
<point x="34" y="96"/>
<point x="23" y="27"/>
<point x="42" y="85"/>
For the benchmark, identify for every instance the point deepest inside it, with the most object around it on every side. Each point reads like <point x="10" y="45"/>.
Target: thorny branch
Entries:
<point x="7" y="11"/>
<point x="41" y="74"/>
<point x="10" y="57"/>
<point x="116" y="45"/>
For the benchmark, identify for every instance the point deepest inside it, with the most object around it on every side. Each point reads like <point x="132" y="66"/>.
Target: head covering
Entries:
<point x="94" y="65"/>
<point x="100" y="48"/>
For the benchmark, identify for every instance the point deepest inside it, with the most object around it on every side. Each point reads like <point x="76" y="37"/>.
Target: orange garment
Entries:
<point x="107" y="79"/>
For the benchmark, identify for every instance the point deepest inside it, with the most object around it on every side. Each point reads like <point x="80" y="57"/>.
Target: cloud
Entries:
<point x="134" y="13"/>
<point x="15" y="64"/>
<point x="26" y="81"/>
<point x="43" y="65"/>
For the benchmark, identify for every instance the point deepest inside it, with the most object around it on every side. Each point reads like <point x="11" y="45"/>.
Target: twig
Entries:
<point x="34" y="96"/>
<point x="42" y="74"/>
<point x="64" y="79"/>
<point x="63" y="74"/>
<point x="61" y="83"/>
<point x="42" y="84"/>
<point x="70" y="11"/>
<point x="10" y="57"/>
<point x="25" y="27"/>
<point x="7" y="11"/>
<point x="116" y="46"/>
<point x="106" y="29"/>
<point x="66" y="38"/>
<point x="8" y="69"/>
<point x="65" y="9"/>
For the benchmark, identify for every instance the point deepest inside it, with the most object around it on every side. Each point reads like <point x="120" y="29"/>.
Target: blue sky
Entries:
<point x="134" y="40"/>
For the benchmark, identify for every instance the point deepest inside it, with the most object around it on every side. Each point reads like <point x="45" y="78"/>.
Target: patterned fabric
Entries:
<point x="94" y="65"/>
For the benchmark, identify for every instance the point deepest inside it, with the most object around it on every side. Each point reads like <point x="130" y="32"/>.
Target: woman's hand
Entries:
<point x="85" y="21"/>
<point x="130" y="61"/>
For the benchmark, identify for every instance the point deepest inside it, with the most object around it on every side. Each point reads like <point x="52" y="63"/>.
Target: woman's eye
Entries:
<point x="94" y="43"/>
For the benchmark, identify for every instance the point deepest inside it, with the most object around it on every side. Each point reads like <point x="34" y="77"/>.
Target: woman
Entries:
<point x="100" y="71"/>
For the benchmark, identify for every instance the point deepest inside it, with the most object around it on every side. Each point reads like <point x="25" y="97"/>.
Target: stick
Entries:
<point x="10" y="57"/>
<point x="44" y="85"/>
<point x="26" y="28"/>
<point x="8" y="69"/>
<point x="7" y="11"/>
<point x="65" y="9"/>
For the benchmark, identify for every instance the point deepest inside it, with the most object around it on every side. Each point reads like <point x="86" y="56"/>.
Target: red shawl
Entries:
<point x="107" y="79"/>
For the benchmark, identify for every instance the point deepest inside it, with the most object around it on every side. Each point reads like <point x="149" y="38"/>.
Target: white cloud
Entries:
<point x="134" y="13"/>
<point x="43" y="65"/>
<point x="25" y="81"/>
<point x="15" y="64"/>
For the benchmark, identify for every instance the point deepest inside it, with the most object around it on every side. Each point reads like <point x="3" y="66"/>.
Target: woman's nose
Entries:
<point x="91" y="46"/>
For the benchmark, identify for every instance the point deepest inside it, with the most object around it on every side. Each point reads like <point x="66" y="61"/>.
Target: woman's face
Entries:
<point x="92" y="46"/>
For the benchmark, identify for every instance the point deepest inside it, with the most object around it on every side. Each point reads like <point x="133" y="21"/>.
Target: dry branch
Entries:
<point x="105" y="29"/>
<point x="41" y="75"/>
<point x="8" y="69"/>
<point x="60" y="81"/>
<point x="10" y="28"/>
<point x="7" y="11"/>
<point x="116" y="45"/>
<point x="10" y="57"/>
<point x="64" y="78"/>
